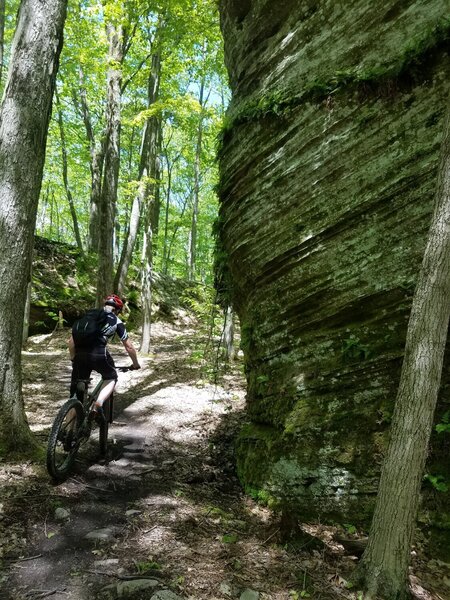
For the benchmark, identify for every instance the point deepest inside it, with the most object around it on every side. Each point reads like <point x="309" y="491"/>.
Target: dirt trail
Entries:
<point x="166" y="498"/>
<point x="164" y="512"/>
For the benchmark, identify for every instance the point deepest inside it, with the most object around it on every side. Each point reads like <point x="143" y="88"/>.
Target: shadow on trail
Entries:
<point x="188" y="517"/>
<point x="166" y="498"/>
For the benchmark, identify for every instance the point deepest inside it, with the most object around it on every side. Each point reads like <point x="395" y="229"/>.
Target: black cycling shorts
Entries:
<point x="86" y="361"/>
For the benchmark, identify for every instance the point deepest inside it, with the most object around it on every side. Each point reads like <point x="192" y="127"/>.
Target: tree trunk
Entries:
<point x="175" y="231"/>
<point x="228" y="335"/>
<point x="24" y="118"/>
<point x="26" y="315"/>
<point x="147" y="158"/>
<point x="151" y="192"/>
<point x="97" y="154"/>
<point x="146" y="285"/>
<point x="73" y="212"/>
<point x="384" y="566"/>
<point x="156" y="207"/>
<point x="97" y="162"/>
<point x="2" y="37"/>
<point x="112" y="164"/>
<point x="166" y="216"/>
<point x="129" y="243"/>
<point x="194" y="221"/>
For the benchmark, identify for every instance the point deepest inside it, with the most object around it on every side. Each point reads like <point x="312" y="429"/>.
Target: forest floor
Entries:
<point x="164" y="516"/>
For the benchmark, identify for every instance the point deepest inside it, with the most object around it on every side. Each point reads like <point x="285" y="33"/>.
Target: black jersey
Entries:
<point x="114" y="325"/>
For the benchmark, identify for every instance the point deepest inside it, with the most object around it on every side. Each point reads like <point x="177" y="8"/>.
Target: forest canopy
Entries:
<point x="192" y="98"/>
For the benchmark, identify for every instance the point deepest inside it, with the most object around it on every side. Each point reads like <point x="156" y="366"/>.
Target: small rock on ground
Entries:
<point x="226" y="589"/>
<point x="61" y="514"/>
<point x="100" y="534"/>
<point x="165" y="595"/>
<point x="128" y="588"/>
<point x="249" y="595"/>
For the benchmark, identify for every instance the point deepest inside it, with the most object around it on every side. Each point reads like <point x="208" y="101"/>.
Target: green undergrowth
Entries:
<point x="410" y="66"/>
<point x="62" y="278"/>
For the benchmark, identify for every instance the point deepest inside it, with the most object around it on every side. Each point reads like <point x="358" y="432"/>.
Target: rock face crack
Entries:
<point x="324" y="215"/>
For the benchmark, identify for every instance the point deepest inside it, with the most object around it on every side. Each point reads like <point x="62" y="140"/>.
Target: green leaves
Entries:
<point x="188" y="39"/>
<point x="230" y="538"/>
<point x="438" y="482"/>
<point x="444" y="427"/>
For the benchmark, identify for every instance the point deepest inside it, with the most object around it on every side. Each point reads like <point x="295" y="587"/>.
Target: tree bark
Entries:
<point x="165" y="259"/>
<point x="384" y="565"/>
<point x="97" y="154"/>
<point x="24" y="119"/>
<point x="2" y="37"/>
<point x="146" y="288"/>
<point x="147" y="159"/>
<point x="156" y="206"/>
<point x="26" y="315"/>
<point x="228" y="335"/>
<point x="73" y="212"/>
<point x="194" y="221"/>
<point x="112" y="164"/>
<point x="151" y="188"/>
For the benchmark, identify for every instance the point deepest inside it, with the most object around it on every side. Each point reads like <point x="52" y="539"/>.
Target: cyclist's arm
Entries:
<point x="71" y="345"/>
<point x="131" y="353"/>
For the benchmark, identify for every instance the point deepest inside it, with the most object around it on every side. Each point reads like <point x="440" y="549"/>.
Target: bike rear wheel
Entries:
<point x="64" y="439"/>
<point x="103" y="428"/>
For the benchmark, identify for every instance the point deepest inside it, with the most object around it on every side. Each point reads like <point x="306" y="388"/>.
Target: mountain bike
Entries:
<point x="73" y="426"/>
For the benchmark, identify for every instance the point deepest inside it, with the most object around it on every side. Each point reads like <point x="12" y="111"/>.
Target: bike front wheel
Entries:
<point x="64" y="439"/>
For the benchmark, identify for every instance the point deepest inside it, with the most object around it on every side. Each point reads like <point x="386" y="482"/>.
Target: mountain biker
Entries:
<point x="95" y="357"/>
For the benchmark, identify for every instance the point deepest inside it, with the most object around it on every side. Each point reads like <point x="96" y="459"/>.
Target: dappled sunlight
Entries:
<point x="165" y="497"/>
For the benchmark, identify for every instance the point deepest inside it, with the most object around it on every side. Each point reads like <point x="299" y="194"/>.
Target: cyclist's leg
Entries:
<point x="104" y="364"/>
<point x="80" y="370"/>
<point x="106" y="390"/>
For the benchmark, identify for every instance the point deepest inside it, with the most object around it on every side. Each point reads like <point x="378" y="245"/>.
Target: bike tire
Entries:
<point x="63" y="441"/>
<point x="103" y="428"/>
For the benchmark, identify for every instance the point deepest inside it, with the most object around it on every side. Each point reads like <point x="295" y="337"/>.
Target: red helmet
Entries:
<point x="115" y="301"/>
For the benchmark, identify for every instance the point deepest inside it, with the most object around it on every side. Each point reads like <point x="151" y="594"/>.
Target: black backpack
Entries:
<point x="88" y="331"/>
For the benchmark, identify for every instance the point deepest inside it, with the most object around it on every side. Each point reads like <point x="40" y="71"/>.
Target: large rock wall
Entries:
<point x="328" y="169"/>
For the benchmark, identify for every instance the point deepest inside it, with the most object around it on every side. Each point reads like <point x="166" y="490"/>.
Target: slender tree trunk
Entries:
<point x="52" y="203"/>
<point x="24" y="118"/>
<point x="26" y="315"/>
<point x="194" y="221"/>
<point x="2" y="36"/>
<point x="97" y="162"/>
<point x="129" y="242"/>
<point x="43" y="209"/>
<point x="166" y="217"/>
<point x="146" y="287"/>
<point x="384" y="565"/>
<point x="73" y="212"/>
<point x="112" y="164"/>
<point x="147" y="160"/>
<point x="175" y="231"/>
<point x="151" y="191"/>
<point x="228" y="335"/>
<point x="156" y="207"/>
<point x="97" y="154"/>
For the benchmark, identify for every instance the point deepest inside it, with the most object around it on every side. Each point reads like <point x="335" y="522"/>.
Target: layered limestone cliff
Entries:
<point x="328" y="167"/>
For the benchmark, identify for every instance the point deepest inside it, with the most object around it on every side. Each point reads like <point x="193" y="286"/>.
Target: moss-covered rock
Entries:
<point x="64" y="280"/>
<point x="327" y="176"/>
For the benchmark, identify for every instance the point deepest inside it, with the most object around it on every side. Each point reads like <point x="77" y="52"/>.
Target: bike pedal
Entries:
<point x="98" y="416"/>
